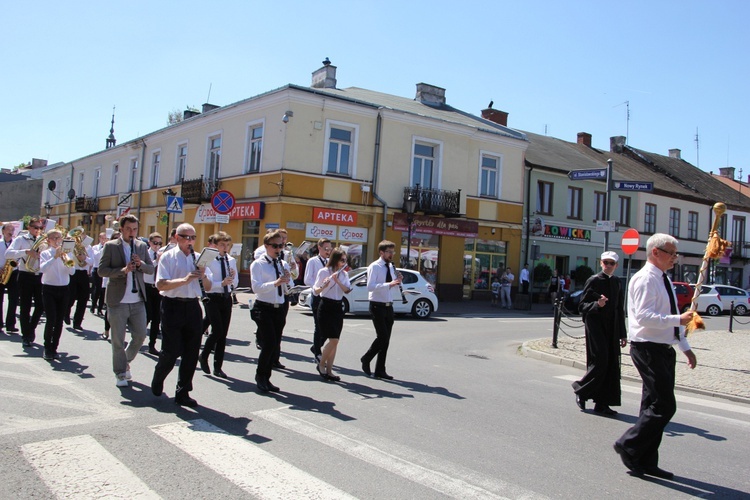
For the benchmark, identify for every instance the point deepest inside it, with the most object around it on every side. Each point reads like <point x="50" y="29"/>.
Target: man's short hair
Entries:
<point x="32" y="221"/>
<point x="184" y="226"/>
<point x="222" y="236"/>
<point x="271" y="236"/>
<point x="385" y="245"/>
<point x="659" y="240"/>
<point x="173" y="232"/>
<point x="153" y="235"/>
<point x="323" y="241"/>
<point x="128" y="218"/>
<point x="212" y="238"/>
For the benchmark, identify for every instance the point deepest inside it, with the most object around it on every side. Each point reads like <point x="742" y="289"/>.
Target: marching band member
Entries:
<point x="12" y="284"/>
<point x="153" y="302"/>
<point x="29" y="281"/>
<point x="79" y="286"/>
<point x="315" y="264"/>
<point x="57" y="268"/>
<point x="219" y="307"/>
<point x="97" y="291"/>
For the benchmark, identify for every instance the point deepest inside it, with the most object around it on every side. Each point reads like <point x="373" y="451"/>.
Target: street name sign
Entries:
<point x="587" y="174"/>
<point x="632" y="186"/>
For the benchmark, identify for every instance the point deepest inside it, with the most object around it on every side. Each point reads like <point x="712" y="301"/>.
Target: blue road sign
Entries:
<point x="584" y="175"/>
<point x="222" y="202"/>
<point x="632" y="186"/>
<point x="174" y="204"/>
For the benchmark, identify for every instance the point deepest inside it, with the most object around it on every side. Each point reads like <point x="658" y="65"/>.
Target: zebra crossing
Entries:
<point x="80" y="467"/>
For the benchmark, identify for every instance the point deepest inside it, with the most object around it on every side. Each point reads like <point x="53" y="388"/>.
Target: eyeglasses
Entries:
<point x="156" y="243"/>
<point x="187" y="236"/>
<point x="36" y="227"/>
<point x="275" y="245"/>
<point x="674" y="255"/>
<point x="609" y="262"/>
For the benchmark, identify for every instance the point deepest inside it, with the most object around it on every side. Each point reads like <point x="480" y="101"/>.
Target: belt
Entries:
<point x="326" y="299"/>
<point x="268" y="304"/>
<point x="181" y="299"/>
<point x="382" y="304"/>
<point x="220" y="294"/>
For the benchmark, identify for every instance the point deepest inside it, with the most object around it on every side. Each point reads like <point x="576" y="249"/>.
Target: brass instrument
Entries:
<point x="64" y="256"/>
<point x="7" y="270"/>
<point x="77" y="235"/>
<point x="294" y="272"/>
<point x="32" y="263"/>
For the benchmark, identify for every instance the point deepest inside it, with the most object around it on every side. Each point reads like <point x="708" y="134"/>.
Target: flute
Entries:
<point x="132" y="259"/>
<point x="204" y="297"/>
<point x="331" y="280"/>
<point x="400" y="288"/>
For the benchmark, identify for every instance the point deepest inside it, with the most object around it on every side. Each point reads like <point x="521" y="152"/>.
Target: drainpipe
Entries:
<point x="528" y="214"/>
<point x="140" y="182"/>
<point x="375" y="168"/>
<point x="70" y="200"/>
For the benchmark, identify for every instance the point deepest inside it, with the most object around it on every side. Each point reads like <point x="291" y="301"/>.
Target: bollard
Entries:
<point x="556" y="327"/>
<point x="731" y="316"/>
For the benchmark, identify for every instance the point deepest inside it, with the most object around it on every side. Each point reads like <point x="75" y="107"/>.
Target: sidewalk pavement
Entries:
<point x="723" y="368"/>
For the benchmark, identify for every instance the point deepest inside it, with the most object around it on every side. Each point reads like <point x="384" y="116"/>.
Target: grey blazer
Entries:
<point x="111" y="264"/>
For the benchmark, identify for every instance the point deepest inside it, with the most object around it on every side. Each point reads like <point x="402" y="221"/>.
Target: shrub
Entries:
<point x="581" y="274"/>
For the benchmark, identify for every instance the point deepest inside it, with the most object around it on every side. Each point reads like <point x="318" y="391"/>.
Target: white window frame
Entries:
<point x="437" y="169"/>
<point x="115" y="173"/>
<point x="133" y="174"/>
<point x="178" y="167"/>
<point x="155" y="167"/>
<point x="692" y="225"/>
<point x="600" y="205"/>
<point x="250" y="142"/>
<point x="544" y="197"/>
<point x="498" y="171"/>
<point x="675" y="214"/>
<point x="624" y="202"/>
<point x="649" y="218"/>
<point x="353" y="148"/>
<point x="210" y="152"/>
<point x="97" y="182"/>
<point x="575" y="202"/>
<point x="81" y="180"/>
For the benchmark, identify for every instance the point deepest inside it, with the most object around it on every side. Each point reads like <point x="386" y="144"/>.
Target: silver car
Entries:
<point x="717" y="298"/>
<point x="421" y="300"/>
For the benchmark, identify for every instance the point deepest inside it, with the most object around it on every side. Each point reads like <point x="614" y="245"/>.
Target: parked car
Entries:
<point x="684" y="292"/>
<point x="572" y="301"/>
<point x="420" y="305"/>
<point x="717" y="298"/>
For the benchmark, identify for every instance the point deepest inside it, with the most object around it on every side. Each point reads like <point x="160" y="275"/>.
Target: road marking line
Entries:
<point x="79" y="467"/>
<point x="250" y="467"/>
<point x="709" y="403"/>
<point x="439" y="475"/>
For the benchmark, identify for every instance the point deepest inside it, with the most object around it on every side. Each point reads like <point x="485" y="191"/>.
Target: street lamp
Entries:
<point x="410" y="204"/>
<point x="47" y="208"/>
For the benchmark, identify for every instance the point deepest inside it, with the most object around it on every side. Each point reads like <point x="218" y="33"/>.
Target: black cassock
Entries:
<point x="605" y="326"/>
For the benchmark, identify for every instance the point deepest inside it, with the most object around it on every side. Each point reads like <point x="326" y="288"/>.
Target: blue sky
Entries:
<point x="566" y="67"/>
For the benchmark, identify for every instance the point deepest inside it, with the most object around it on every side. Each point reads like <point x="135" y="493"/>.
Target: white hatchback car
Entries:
<point x="715" y="299"/>
<point x="421" y="300"/>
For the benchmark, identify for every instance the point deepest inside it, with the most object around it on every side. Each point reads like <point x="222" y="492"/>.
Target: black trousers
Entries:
<point x="153" y="313"/>
<point x="78" y="292"/>
<point x="317" y="340"/>
<point x="656" y="365"/>
<point x="271" y="322"/>
<point x="12" y="288"/>
<point x="97" y="292"/>
<point x="219" y="310"/>
<point x="382" y="319"/>
<point x="30" y="288"/>
<point x="180" y="337"/>
<point x="55" y="308"/>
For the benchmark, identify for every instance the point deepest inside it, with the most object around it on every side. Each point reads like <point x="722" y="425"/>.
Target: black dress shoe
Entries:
<point x="657" y="472"/>
<point x="366" y="367"/>
<point x="278" y="366"/>
<point x="261" y="384"/>
<point x="47" y="356"/>
<point x="383" y="375"/>
<point x="333" y="378"/>
<point x="11" y="330"/>
<point x="157" y="387"/>
<point x="629" y="461"/>
<point x="66" y="319"/>
<point x="204" y="365"/>
<point x="152" y="350"/>
<point x="604" y="410"/>
<point x="26" y="343"/>
<point x="185" y="400"/>
<point x="219" y="373"/>
<point x="580" y="402"/>
<point x="272" y="387"/>
<point x="323" y="374"/>
<point x="78" y="327"/>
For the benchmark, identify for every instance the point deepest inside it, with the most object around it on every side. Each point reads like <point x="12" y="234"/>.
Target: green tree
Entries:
<point x="581" y="274"/>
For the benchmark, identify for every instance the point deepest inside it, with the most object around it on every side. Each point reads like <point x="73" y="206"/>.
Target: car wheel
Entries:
<point x="345" y="305"/>
<point x="713" y="310"/>
<point x="422" y="309"/>
<point x="686" y="308"/>
<point x="740" y="310"/>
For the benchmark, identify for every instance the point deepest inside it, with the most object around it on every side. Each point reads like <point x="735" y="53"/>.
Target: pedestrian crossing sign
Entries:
<point x="174" y="204"/>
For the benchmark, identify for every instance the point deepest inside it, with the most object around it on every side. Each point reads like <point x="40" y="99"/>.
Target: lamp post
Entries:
<point x="169" y="192"/>
<point x="47" y="209"/>
<point x="410" y="204"/>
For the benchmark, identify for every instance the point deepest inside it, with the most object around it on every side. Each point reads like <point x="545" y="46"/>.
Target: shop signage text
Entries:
<point x="567" y="233"/>
<point x="205" y="214"/>
<point x="435" y="225"/>
<point x="353" y="234"/>
<point x="331" y="216"/>
<point x="316" y="231"/>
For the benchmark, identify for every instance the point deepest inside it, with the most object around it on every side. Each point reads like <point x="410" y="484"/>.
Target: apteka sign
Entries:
<point x="332" y="216"/>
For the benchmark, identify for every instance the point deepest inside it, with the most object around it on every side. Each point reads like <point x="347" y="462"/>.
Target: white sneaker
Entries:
<point x="121" y="381"/>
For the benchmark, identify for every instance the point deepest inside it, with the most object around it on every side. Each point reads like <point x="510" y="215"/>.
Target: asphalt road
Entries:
<point x="466" y="417"/>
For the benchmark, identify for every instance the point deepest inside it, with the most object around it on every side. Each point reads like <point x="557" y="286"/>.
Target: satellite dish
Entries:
<point x="52" y="185"/>
<point x="71" y="194"/>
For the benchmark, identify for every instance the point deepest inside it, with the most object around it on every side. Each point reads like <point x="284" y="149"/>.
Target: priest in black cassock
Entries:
<point x="603" y="308"/>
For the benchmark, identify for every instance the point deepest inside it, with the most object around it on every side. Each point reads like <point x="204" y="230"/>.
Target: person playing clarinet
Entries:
<point x="382" y="279"/>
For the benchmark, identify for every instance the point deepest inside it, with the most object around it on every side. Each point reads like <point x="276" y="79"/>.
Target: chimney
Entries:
<point x="495" y="115"/>
<point x="430" y="95"/>
<point x="208" y="107"/>
<point x="584" y="139"/>
<point x="727" y="172"/>
<point x="617" y="144"/>
<point x="675" y="153"/>
<point x="189" y="113"/>
<point x="325" y="77"/>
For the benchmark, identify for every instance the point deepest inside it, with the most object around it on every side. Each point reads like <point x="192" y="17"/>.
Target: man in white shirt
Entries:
<point x="382" y="278"/>
<point x="78" y="290"/>
<point x="11" y="286"/>
<point x="153" y="302"/>
<point x="506" y="282"/>
<point x="525" y="279"/>
<point x="315" y="264"/>
<point x="97" y="292"/>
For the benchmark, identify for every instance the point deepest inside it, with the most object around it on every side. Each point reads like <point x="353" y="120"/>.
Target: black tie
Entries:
<point x="223" y="273"/>
<point x="278" y="275"/>
<point x="388" y="277"/>
<point x="672" y="303"/>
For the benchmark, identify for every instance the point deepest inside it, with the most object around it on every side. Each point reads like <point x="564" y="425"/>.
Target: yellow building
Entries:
<point x="321" y="161"/>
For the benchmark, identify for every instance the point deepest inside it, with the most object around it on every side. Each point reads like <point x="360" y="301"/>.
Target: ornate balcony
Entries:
<point x="84" y="204"/>
<point x="434" y="201"/>
<point x="199" y="190"/>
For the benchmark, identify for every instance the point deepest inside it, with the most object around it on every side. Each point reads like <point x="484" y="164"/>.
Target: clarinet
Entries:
<point x="204" y="297"/>
<point x="400" y="288"/>
<point x="132" y="258"/>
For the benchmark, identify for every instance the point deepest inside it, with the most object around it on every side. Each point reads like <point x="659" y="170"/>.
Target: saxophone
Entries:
<point x="7" y="270"/>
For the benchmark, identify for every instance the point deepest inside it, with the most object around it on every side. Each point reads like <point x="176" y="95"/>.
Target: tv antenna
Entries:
<point x="627" y="119"/>
<point x="697" y="149"/>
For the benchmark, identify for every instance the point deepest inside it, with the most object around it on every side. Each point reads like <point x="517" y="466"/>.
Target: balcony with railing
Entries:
<point x="434" y="201"/>
<point x="85" y="204"/>
<point x="199" y="190"/>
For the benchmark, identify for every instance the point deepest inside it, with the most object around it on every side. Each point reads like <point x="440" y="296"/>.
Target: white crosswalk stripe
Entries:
<point x="79" y="467"/>
<point x="251" y="468"/>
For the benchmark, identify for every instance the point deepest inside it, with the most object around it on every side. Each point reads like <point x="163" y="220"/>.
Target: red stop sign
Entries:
<point x="630" y="241"/>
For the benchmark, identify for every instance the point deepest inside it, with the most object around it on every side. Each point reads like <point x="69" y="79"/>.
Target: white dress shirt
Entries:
<point x="3" y="249"/>
<point x="54" y="271"/>
<point x="174" y="264"/>
<point x="96" y="255"/>
<point x="151" y="278"/>
<point x="215" y="268"/>
<point x="262" y="277"/>
<point x="333" y="291"/>
<point x="17" y="250"/>
<point x="377" y="286"/>
<point x="649" y="312"/>
<point x="314" y="264"/>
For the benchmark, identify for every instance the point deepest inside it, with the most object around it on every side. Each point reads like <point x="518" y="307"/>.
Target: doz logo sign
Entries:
<point x="320" y="231"/>
<point x="358" y="234"/>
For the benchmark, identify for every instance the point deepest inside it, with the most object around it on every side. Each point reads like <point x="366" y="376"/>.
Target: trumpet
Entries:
<point x="77" y="235"/>
<point x="64" y="256"/>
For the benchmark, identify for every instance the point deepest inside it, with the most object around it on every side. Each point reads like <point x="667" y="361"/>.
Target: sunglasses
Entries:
<point x="36" y="227"/>
<point x="275" y="245"/>
<point x="187" y="236"/>
<point x="609" y="262"/>
<point x="156" y="242"/>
